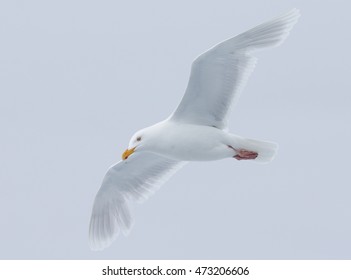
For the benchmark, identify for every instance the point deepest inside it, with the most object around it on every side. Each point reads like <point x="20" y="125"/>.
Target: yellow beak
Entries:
<point x="127" y="153"/>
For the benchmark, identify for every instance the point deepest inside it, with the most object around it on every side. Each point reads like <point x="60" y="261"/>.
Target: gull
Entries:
<point x="195" y="131"/>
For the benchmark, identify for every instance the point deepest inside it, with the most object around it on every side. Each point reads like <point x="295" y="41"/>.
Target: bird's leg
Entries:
<point x="243" y="154"/>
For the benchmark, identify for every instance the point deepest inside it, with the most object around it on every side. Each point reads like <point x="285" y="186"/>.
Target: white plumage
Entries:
<point x="133" y="179"/>
<point x="218" y="75"/>
<point x="194" y="132"/>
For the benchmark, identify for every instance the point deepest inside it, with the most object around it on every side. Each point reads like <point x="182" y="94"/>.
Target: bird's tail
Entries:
<point x="266" y="150"/>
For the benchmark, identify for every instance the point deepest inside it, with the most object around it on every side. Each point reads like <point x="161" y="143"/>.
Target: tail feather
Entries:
<point x="266" y="150"/>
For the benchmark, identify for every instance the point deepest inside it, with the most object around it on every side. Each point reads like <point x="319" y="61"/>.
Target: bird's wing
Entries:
<point x="218" y="75"/>
<point x="133" y="179"/>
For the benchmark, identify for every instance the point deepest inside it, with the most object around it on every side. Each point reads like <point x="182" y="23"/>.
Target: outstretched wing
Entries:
<point x="133" y="179"/>
<point x="218" y="75"/>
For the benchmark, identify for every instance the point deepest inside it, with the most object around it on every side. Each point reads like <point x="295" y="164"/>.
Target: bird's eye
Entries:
<point x="139" y="138"/>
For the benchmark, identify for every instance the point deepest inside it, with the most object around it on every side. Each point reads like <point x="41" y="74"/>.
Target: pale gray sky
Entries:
<point x="78" y="78"/>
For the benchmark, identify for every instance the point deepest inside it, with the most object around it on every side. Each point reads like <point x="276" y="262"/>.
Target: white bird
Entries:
<point x="196" y="131"/>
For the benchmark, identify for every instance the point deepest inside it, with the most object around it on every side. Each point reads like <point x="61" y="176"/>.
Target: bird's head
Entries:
<point x="135" y="143"/>
<point x="143" y="140"/>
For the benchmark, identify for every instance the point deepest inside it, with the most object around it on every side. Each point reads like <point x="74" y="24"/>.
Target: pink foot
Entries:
<point x="244" y="154"/>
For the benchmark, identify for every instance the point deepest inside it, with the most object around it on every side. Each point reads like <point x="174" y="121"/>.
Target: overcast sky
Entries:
<point x="78" y="78"/>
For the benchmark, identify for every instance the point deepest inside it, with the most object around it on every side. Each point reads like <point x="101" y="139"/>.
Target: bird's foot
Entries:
<point x="242" y="154"/>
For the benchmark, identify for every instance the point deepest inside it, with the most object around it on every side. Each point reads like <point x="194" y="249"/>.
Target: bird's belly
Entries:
<point x="198" y="154"/>
<point x="196" y="145"/>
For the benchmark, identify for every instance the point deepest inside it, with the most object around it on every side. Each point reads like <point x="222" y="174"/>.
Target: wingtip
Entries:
<point x="296" y="11"/>
<point x="293" y="14"/>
